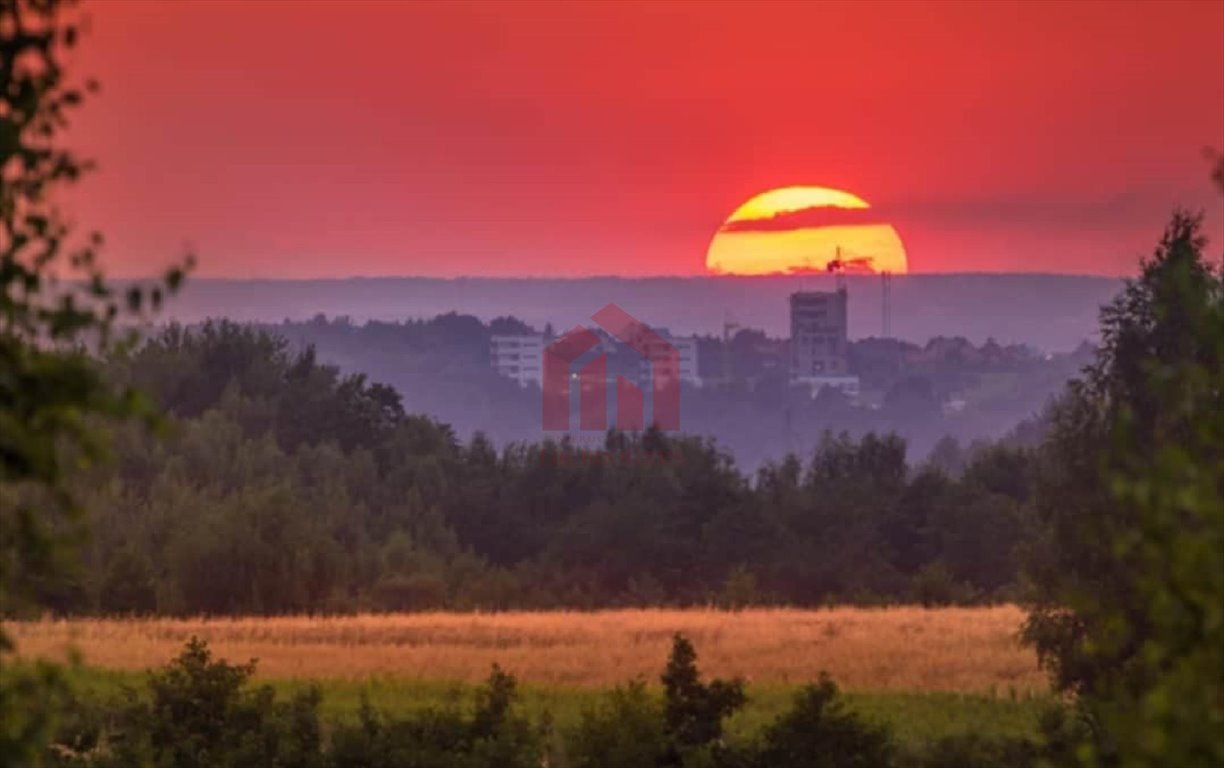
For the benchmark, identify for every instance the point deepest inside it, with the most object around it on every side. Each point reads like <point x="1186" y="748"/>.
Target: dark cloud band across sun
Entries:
<point x="807" y="218"/>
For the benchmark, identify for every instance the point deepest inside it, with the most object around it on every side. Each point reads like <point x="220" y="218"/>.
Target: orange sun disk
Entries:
<point x="801" y="229"/>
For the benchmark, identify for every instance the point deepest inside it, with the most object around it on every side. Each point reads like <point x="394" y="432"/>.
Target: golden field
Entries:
<point x="865" y="649"/>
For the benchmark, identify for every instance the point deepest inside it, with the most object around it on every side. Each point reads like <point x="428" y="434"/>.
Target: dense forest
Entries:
<point x="280" y="485"/>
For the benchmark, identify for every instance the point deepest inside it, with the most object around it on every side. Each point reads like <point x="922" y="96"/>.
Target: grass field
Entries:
<point x="962" y="650"/>
<point x="926" y="673"/>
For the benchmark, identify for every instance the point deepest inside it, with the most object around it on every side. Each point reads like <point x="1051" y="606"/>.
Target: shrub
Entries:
<point x="625" y="730"/>
<point x="693" y="712"/>
<point x="201" y="713"/>
<point x="818" y="732"/>
<point x="493" y="737"/>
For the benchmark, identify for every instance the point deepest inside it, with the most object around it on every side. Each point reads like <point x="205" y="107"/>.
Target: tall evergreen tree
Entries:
<point x="1129" y="612"/>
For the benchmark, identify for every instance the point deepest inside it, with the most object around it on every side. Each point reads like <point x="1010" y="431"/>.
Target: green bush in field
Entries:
<point x="633" y="730"/>
<point x="202" y="713"/>
<point x="199" y="712"/>
<point x="693" y="711"/>
<point x="818" y="732"/>
<point x="625" y="730"/>
<point x="493" y="737"/>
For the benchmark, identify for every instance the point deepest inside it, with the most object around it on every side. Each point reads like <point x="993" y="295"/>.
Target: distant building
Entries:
<point x="519" y="357"/>
<point x="818" y="343"/>
<point x="847" y="385"/>
<point x="686" y="354"/>
<point x="686" y="346"/>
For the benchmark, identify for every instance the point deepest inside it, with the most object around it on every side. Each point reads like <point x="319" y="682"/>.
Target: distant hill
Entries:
<point x="1051" y="312"/>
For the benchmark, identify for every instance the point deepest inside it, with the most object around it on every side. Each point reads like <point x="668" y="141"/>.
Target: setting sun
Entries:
<point x="801" y="229"/>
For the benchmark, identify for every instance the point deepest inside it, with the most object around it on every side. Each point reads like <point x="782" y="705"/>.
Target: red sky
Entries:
<point x="336" y="139"/>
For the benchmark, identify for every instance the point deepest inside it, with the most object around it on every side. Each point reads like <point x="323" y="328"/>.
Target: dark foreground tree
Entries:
<point x="1130" y="606"/>
<point x="56" y="311"/>
<point x="819" y="732"/>
<point x="693" y="711"/>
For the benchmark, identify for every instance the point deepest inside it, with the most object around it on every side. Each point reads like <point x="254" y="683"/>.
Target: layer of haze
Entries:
<point x="336" y="139"/>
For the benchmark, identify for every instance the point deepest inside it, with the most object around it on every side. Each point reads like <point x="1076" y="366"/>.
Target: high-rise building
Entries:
<point x="519" y="357"/>
<point x="818" y="342"/>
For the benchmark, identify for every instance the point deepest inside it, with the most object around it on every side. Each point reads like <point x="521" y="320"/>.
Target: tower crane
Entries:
<point x="839" y="265"/>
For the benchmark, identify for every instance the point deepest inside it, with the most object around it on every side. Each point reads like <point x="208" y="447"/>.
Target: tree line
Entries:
<point x="279" y="484"/>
